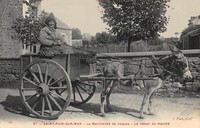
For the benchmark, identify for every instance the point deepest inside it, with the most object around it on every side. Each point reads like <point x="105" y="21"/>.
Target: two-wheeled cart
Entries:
<point x="50" y="85"/>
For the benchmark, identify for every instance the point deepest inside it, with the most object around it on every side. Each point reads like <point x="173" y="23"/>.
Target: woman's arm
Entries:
<point x="44" y="38"/>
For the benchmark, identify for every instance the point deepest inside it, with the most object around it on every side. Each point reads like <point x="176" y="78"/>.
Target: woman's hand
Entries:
<point x="57" y="43"/>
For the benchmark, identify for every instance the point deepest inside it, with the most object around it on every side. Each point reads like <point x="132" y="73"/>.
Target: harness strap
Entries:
<point x="185" y="70"/>
<point x="161" y="67"/>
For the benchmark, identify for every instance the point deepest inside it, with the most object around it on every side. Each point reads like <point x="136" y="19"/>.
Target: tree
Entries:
<point x="28" y="27"/>
<point x="133" y="20"/>
<point x="86" y="37"/>
<point x="105" y="38"/>
<point x="76" y="33"/>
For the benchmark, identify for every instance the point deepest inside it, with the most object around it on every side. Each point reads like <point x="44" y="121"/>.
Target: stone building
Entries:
<point x="10" y="46"/>
<point x="191" y="35"/>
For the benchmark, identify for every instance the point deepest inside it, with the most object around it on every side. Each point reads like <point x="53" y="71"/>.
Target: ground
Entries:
<point x="170" y="112"/>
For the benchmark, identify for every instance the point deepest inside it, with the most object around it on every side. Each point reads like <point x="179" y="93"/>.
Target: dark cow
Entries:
<point x="174" y="64"/>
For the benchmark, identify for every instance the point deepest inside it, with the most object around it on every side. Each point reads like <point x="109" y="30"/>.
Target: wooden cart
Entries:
<point x="50" y="85"/>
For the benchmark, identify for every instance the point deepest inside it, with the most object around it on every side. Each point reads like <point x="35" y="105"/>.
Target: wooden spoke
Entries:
<point x="58" y="96"/>
<point x="74" y="93"/>
<point x="55" y="102"/>
<point x="46" y="72"/>
<point x="31" y="97"/>
<point x="84" y="89"/>
<point x="28" y="89"/>
<point x="49" y="105"/>
<point x="40" y="72"/>
<point x="54" y="88"/>
<point x="79" y="93"/>
<point x="43" y="106"/>
<point x="82" y="92"/>
<point x="56" y="81"/>
<point x="30" y="81"/>
<point x="36" y="103"/>
<point x="34" y="75"/>
<point x="51" y="76"/>
<point x="62" y="91"/>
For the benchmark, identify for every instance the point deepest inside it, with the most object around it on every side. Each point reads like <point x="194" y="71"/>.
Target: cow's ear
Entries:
<point x="174" y="50"/>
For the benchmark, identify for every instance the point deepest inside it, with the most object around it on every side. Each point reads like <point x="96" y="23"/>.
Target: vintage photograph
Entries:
<point x="99" y="63"/>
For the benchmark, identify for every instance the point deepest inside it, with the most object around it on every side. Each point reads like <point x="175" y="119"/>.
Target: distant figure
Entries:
<point x="52" y="42"/>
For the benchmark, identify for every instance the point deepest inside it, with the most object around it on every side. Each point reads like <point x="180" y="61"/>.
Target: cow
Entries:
<point x="175" y="64"/>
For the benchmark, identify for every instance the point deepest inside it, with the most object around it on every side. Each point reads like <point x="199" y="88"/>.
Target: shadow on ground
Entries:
<point x="95" y="109"/>
<point x="14" y="105"/>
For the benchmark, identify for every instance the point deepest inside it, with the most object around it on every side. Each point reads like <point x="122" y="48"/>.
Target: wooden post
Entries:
<point x="68" y="63"/>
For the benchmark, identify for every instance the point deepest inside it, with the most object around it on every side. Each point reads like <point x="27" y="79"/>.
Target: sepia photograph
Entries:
<point x="99" y="63"/>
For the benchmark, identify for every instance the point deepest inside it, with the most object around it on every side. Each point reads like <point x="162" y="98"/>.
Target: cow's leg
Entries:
<point x="147" y="94"/>
<point x="110" y="87"/>
<point x="144" y="101"/>
<point x="102" y="103"/>
<point x="158" y="84"/>
<point x="107" y="88"/>
<point x="103" y="95"/>
<point x="109" y="91"/>
<point x="150" y="102"/>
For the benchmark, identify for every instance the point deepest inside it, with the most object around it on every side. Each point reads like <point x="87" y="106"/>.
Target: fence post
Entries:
<point x="125" y="48"/>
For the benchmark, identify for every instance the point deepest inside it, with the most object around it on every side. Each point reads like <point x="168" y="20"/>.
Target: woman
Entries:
<point x="52" y="42"/>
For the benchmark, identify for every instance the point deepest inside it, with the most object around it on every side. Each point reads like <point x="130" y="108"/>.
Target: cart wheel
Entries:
<point x="45" y="89"/>
<point x="82" y="92"/>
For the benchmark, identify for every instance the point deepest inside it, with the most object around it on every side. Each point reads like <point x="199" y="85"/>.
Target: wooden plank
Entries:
<point x="145" y="54"/>
<point x="82" y="78"/>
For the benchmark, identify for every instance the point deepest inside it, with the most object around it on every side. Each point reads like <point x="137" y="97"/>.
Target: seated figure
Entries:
<point x="51" y="40"/>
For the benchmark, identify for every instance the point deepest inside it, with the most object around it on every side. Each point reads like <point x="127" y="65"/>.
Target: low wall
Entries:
<point x="10" y="67"/>
<point x="9" y="72"/>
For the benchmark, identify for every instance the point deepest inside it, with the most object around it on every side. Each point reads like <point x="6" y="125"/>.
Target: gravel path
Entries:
<point x="182" y="112"/>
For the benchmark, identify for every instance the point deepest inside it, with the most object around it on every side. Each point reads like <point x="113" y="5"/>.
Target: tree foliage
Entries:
<point x="76" y="33"/>
<point x="86" y="37"/>
<point x="28" y="27"/>
<point x="134" y="20"/>
<point x="105" y="38"/>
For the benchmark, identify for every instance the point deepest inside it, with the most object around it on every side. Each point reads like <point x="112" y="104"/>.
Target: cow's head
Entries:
<point x="179" y="64"/>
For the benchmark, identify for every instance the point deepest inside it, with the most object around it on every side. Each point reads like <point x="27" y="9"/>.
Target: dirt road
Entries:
<point x="182" y="112"/>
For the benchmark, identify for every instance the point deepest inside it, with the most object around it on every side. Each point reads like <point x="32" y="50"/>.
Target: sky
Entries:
<point x="86" y="14"/>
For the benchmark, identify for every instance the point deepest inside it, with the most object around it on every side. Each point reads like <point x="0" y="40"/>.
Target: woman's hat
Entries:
<point x="50" y="18"/>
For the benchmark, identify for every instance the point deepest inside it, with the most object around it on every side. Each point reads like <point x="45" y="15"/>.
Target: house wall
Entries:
<point x="191" y="42"/>
<point x="9" y="44"/>
<point x="9" y="72"/>
<point x="67" y="34"/>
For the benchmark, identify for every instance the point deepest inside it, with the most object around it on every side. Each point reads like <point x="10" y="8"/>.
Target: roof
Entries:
<point x="195" y="31"/>
<point x="61" y="24"/>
